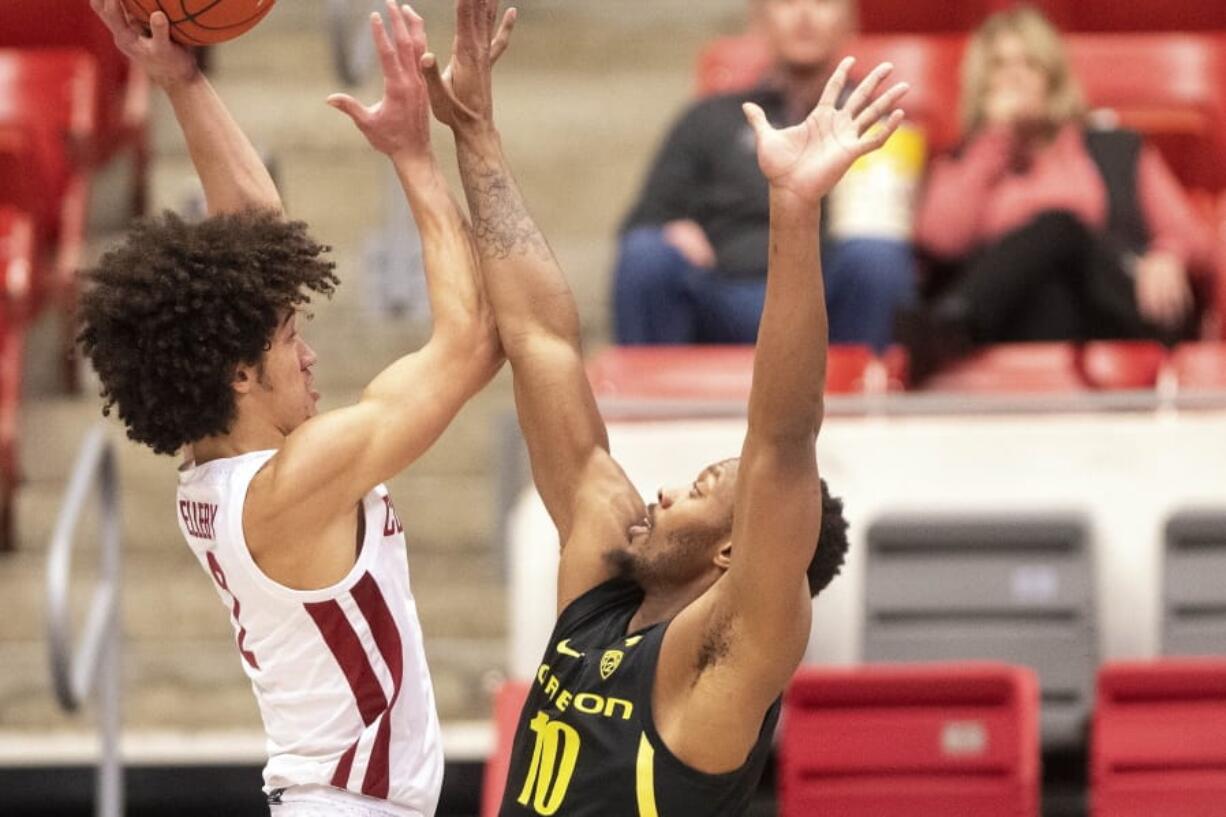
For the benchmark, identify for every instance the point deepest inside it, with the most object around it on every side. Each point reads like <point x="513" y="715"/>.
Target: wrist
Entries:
<point x="483" y="139"/>
<point x="787" y="207"/>
<point x="185" y="81"/>
<point x="416" y="165"/>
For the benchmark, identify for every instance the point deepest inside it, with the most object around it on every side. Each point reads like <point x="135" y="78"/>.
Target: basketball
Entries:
<point x="203" y="22"/>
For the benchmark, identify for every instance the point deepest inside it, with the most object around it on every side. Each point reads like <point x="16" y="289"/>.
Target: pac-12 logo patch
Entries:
<point x="609" y="662"/>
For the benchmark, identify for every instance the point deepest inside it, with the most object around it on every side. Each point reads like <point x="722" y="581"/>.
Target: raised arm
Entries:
<point x="231" y="171"/>
<point x="328" y="464"/>
<point x="538" y="321"/>
<point x="778" y="501"/>
<point x="755" y="620"/>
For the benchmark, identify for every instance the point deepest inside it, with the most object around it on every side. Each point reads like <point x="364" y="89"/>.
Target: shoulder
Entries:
<point x="612" y="598"/>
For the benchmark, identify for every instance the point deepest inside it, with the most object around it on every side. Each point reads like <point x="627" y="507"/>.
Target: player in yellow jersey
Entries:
<point x="680" y="623"/>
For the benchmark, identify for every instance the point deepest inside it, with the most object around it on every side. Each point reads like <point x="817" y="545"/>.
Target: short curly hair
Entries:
<point x="832" y="544"/>
<point x="167" y="317"/>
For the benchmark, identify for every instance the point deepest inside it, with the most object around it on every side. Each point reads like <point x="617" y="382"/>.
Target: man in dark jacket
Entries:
<point x="693" y="250"/>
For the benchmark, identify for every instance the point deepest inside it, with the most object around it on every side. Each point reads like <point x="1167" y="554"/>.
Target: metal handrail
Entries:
<point x="95" y="664"/>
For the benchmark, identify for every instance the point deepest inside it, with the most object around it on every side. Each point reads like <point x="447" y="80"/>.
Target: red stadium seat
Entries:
<point x="47" y="116"/>
<point x="16" y="260"/>
<point x="922" y="740"/>
<point x="508" y="703"/>
<point x="1052" y="368"/>
<point x="47" y="113"/>
<point x="705" y="373"/>
<point x="1159" y="742"/>
<point x="1121" y="365"/>
<point x="1170" y="87"/>
<point x="122" y="91"/>
<point x="1200" y="366"/>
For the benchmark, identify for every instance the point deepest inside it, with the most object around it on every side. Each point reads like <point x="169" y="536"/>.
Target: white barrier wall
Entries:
<point x="1126" y="472"/>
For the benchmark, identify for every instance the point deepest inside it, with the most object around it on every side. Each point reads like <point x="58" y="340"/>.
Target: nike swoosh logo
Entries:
<point x="564" y="649"/>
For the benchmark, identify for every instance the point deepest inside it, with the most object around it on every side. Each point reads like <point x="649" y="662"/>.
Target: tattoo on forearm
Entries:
<point x="502" y="225"/>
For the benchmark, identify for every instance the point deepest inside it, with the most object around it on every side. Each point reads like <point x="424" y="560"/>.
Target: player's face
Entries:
<point x="287" y="386"/>
<point x="1016" y="78"/>
<point x="806" y="34"/>
<point x="685" y="530"/>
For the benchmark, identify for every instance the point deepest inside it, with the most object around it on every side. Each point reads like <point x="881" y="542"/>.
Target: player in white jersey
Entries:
<point x="193" y="331"/>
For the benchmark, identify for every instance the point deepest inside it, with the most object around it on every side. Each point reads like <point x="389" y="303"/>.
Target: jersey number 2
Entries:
<point x="553" y="763"/>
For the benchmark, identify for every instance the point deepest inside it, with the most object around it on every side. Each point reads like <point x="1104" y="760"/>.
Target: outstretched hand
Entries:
<point x="809" y="159"/>
<point x="461" y="94"/>
<point x="165" y="62"/>
<point x="398" y="124"/>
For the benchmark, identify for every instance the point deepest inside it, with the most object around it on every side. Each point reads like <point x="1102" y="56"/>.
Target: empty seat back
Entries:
<point x="508" y="703"/>
<point x="1008" y="588"/>
<point x="72" y="24"/>
<point x="1054" y="367"/>
<point x="705" y="374"/>
<point x="46" y="106"/>
<point x="1159" y="740"/>
<point x="1170" y="87"/>
<point x="921" y="741"/>
<point x="1194" y="584"/>
<point x="1200" y="366"/>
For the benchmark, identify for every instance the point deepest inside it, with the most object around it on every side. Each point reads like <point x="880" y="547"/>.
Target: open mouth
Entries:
<point x="644" y="526"/>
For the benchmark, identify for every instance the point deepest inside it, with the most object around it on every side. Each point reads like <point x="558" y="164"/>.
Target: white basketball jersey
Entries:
<point x="339" y="674"/>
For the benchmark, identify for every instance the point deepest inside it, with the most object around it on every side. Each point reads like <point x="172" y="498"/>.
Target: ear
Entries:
<point x="723" y="559"/>
<point x="244" y="379"/>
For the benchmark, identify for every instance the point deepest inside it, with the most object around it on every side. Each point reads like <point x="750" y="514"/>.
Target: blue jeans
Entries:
<point x="660" y="298"/>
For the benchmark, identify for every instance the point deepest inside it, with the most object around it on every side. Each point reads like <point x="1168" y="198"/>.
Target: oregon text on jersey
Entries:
<point x="586" y="744"/>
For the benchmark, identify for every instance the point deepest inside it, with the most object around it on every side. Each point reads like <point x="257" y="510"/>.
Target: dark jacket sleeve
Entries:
<point x="678" y="167"/>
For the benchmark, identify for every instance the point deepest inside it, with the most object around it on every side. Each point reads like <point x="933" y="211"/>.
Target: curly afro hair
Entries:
<point x="167" y="317"/>
<point x="832" y="544"/>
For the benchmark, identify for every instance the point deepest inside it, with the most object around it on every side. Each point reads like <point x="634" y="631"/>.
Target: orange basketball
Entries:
<point x="203" y="22"/>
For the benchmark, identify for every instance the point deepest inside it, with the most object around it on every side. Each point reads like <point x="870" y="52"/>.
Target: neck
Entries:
<point x="665" y="603"/>
<point x="802" y="87"/>
<point x="247" y="435"/>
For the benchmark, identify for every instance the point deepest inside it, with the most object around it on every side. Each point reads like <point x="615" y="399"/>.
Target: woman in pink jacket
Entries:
<point x="1049" y="229"/>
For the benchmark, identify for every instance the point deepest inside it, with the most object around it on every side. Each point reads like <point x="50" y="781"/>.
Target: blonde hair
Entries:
<point x="1065" y="101"/>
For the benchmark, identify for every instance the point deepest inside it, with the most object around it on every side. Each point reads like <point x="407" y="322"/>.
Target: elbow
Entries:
<point x="475" y="349"/>
<point x="521" y="340"/>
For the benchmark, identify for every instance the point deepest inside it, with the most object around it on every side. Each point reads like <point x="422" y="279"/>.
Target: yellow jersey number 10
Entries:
<point x="553" y="763"/>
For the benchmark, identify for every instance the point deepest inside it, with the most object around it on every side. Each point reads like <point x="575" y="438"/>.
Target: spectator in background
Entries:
<point x="1052" y="230"/>
<point x="693" y="252"/>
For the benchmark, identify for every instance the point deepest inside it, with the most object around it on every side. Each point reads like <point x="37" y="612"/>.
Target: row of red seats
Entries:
<point x="928" y="741"/>
<point x="723" y="374"/>
<point x="918" y="16"/>
<point x="934" y="740"/>
<point x="69" y="102"/>
<point x="1170" y="87"/>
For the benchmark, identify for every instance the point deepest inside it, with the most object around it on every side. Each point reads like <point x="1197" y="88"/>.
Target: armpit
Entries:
<point x="716" y="644"/>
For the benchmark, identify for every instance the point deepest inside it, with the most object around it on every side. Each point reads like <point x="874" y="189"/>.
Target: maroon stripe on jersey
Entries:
<point x="340" y="778"/>
<point x="347" y="650"/>
<point x="387" y="638"/>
